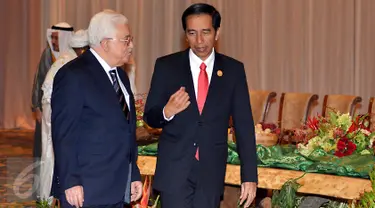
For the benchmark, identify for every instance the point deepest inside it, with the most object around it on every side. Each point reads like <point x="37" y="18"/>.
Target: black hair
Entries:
<point x="202" y="8"/>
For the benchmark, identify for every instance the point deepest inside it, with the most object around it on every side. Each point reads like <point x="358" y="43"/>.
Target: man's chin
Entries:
<point x="126" y="60"/>
<point x="202" y="55"/>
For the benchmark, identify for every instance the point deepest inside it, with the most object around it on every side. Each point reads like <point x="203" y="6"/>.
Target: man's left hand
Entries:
<point x="136" y="191"/>
<point x="38" y="115"/>
<point x="248" y="192"/>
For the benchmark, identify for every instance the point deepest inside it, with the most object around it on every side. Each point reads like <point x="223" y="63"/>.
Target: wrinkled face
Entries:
<point x="55" y="41"/>
<point x="200" y="35"/>
<point x="120" y="47"/>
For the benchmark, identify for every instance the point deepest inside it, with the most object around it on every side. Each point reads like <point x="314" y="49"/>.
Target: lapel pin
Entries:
<point x="219" y="73"/>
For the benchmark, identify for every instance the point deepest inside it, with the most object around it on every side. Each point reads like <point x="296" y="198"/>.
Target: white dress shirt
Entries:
<point x="107" y="68"/>
<point x="195" y="63"/>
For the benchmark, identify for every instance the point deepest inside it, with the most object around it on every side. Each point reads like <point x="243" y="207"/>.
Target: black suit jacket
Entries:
<point x="93" y="142"/>
<point x="228" y="95"/>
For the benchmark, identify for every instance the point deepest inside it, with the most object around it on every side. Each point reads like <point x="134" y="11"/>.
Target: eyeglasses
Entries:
<point x="126" y="41"/>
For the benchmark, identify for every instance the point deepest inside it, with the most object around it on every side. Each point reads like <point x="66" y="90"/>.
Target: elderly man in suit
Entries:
<point x="93" y="120"/>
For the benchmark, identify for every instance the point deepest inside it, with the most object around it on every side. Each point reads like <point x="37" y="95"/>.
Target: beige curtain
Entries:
<point x="364" y="68"/>
<point x="20" y="38"/>
<point x="319" y="46"/>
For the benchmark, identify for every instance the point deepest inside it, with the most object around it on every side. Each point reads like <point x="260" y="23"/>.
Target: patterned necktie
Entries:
<point x="202" y="93"/>
<point x="120" y="94"/>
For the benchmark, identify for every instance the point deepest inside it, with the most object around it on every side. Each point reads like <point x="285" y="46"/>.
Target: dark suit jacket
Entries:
<point x="93" y="142"/>
<point x="228" y="95"/>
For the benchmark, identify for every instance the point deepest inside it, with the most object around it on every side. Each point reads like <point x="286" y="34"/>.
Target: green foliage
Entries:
<point x="335" y="204"/>
<point x="42" y="204"/>
<point x="46" y="203"/>
<point x="155" y="202"/>
<point x="287" y="196"/>
<point x="367" y="200"/>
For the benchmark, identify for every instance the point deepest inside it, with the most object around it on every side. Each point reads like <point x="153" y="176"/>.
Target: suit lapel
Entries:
<point x="216" y="84"/>
<point x="125" y="80"/>
<point x="188" y="80"/>
<point x="103" y="83"/>
<point x="101" y="78"/>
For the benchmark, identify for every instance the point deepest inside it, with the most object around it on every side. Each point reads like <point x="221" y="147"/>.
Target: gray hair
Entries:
<point x="103" y="25"/>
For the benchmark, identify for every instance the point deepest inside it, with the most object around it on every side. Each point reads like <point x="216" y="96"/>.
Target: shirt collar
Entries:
<point x="199" y="61"/>
<point x="104" y="64"/>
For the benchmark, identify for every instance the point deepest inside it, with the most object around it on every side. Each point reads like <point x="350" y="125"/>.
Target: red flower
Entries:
<point x="345" y="147"/>
<point x="363" y="121"/>
<point x="270" y="126"/>
<point x="353" y="127"/>
<point x="277" y="131"/>
<point x="300" y="135"/>
<point x="338" y="133"/>
<point x="313" y="123"/>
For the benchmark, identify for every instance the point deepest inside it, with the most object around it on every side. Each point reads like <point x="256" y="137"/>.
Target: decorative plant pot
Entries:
<point x="266" y="139"/>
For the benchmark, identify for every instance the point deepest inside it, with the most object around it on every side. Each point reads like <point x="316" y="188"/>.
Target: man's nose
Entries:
<point x="199" y="38"/>
<point x="131" y="44"/>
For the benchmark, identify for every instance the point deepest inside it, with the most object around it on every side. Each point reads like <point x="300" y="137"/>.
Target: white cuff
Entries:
<point x="165" y="118"/>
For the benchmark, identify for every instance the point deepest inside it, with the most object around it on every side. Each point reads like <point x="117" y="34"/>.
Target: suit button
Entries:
<point x="195" y="144"/>
<point x="200" y="123"/>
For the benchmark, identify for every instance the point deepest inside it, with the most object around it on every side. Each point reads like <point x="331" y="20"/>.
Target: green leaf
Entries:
<point x="287" y="196"/>
<point x="333" y="117"/>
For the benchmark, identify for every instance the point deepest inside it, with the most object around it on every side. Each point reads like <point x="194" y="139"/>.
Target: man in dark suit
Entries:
<point x="93" y="120"/>
<point x="193" y="93"/>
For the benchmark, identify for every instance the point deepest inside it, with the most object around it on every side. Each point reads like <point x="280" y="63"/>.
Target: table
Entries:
<point x="272" y="178"/>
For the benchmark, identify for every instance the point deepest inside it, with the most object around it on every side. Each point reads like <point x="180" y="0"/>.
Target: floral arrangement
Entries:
<point x="147" y="201"/>
<point x="46" y="202"/>
<point x="336" y="134"/>
<point x="140" y="101"/>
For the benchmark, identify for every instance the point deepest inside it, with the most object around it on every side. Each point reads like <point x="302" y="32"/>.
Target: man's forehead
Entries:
<point x="199" y="17"/>
<point x="196" y="23"/>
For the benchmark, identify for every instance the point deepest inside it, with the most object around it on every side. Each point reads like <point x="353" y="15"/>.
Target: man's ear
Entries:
<point x="104" y="45"/>
<point x="217" y="34"/>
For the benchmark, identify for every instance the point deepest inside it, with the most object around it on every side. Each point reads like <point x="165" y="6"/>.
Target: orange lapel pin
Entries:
<point x="219" y="73"/>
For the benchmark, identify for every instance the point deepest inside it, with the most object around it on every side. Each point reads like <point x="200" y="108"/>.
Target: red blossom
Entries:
<point x="277" y="131"/>
<point x="353" y="127"/>
<point x="363" y="121"/>
<point x="313" y="123"/>
<point x="270" y="126"/>
<point x="299" y="136"/>
<point x="345" y="147"/>
<point x="360" y="122"/>
<point x="338" y="133"/>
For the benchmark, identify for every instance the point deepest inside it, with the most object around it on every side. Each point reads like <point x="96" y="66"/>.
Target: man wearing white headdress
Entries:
<point x="57" y="38"/>
<point x="78" y="44"/>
